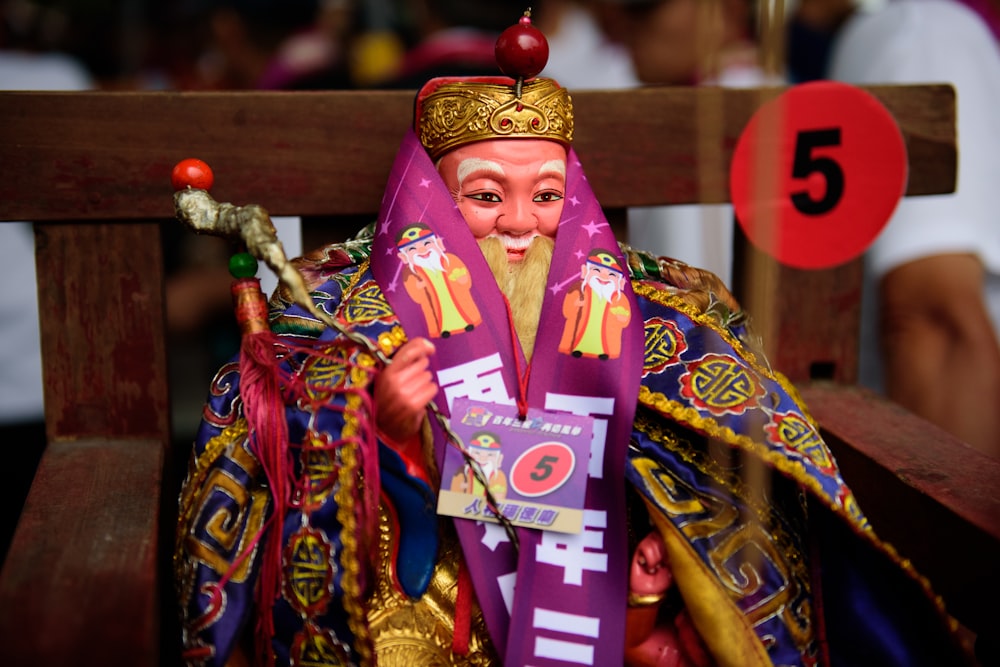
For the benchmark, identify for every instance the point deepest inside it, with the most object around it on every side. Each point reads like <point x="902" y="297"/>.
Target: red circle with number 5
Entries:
<point x="817" y="173"/>
<point x="542" y="469"/>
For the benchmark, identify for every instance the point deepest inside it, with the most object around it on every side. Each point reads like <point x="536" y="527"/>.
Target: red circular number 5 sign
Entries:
<point x="817" y="174"/>
<point x="542" y="469"/>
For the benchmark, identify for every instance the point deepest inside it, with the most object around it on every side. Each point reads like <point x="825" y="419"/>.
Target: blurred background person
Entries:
<point x="585" y="51"/>
<point x="403" y="43"/>
<point x="448" y="38"/>
<point x="932" y="300"/>
<point x="691" y="42"/>
<point x="274" y="45"/>
<point x="812" y="28"/>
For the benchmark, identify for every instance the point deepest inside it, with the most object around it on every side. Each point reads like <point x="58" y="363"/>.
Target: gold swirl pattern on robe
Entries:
<point x="238" y="520"/>
<point x="743" y="541"/>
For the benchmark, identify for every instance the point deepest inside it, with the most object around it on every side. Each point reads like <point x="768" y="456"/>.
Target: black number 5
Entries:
<point x="806" y="163"/>
<point x="544" y="467"/>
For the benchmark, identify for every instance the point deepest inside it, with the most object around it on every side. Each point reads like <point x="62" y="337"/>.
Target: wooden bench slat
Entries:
<point x="80" y="582"/>
<point x="109" y="155"/>
<point x="927" y="493"/>
<point x="808" y="320"/>
<point x="101" y="304"/>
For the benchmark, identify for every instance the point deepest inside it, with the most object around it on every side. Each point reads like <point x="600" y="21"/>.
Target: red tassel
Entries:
<point x="264" y="410"/>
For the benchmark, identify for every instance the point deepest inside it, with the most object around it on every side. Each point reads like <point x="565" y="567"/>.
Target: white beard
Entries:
<point x="432" y="263"/>
<point x="604" y="290"/>
<point x="488" y="469"/>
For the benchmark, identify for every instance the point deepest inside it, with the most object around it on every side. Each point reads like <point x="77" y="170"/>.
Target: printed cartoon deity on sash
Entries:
<point x="716" y="529"/>
<point x="484" y="447"/>
<point x="438" y="281"/>
<point x="596" y="309"/>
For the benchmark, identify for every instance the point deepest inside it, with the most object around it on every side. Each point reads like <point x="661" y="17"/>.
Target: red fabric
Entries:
<point x="265" y="413"/>
<point x="264" y="410"/>
<point x="522" y="376"/>
<point x="691" y="644"/>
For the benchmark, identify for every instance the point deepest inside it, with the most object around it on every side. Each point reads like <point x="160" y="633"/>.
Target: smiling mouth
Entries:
<point x="516" y="247"/>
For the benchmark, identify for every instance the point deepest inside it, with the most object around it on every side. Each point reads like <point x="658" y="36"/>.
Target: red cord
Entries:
<point x="463" y="612"/>
<point x="522" y="378"/>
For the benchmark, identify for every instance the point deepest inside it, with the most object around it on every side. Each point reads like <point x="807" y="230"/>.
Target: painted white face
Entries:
<point x="512" y="189"/>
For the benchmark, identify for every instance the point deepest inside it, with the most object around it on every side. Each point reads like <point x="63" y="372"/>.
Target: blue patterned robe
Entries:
<point x="773" y="559"/>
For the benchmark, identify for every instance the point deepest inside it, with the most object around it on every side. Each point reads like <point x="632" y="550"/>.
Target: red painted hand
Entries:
<point x="403" y="390"/>
<point x="650" y="574"/>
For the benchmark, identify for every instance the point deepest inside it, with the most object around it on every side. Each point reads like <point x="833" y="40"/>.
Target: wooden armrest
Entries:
<point x="930" y="495"/>
<point x="80" y="582"/>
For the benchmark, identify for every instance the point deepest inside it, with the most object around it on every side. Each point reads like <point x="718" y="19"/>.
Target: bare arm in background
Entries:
<point x="942" y="358"/>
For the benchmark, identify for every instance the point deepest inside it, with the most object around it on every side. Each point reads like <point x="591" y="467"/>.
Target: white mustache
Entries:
<point x="515" y="242"/>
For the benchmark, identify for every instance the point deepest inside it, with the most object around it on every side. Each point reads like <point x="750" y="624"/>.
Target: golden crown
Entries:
<point x="457" y="112"/>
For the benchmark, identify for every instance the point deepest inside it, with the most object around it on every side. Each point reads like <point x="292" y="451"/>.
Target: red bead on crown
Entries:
<point x="522" y="49"/>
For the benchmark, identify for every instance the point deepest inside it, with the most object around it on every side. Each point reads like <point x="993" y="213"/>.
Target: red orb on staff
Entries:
<point x="193" y="173"/>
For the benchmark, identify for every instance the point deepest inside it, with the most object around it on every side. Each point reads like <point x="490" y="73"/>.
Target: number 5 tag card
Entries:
<point x="536" y="468"/>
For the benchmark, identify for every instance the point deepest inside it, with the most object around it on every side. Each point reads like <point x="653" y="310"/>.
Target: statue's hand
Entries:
<point x="403" y="390"/>
<point x="651" y="640"/>
<point x="650" y="573"/>
<point x="646" y="643"/>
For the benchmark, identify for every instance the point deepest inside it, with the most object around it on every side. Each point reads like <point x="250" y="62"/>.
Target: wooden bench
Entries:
<point x="88" y="570"/>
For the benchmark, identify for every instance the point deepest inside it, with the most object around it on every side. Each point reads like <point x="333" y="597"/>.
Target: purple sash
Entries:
<point x="571" y="590"/>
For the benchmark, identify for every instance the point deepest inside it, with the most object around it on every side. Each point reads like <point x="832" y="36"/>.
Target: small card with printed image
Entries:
<point x="536" y="468"/>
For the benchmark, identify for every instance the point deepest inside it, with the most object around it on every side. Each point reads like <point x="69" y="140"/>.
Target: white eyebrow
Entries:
<point x="474" y="164"/>
<point x="558" y="166"/>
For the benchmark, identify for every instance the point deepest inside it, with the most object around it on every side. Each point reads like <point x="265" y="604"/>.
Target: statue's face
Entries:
<point x="508" y="188"/>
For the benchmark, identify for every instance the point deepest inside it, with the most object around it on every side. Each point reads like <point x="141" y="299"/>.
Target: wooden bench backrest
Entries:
<point x="87" y="574"/>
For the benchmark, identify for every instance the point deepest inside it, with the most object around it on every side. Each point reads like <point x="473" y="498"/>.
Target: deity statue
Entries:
<point x="712" y="524"/>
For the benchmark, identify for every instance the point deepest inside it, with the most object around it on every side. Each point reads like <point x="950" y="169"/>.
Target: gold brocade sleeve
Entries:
<point x="723" y="627"/>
